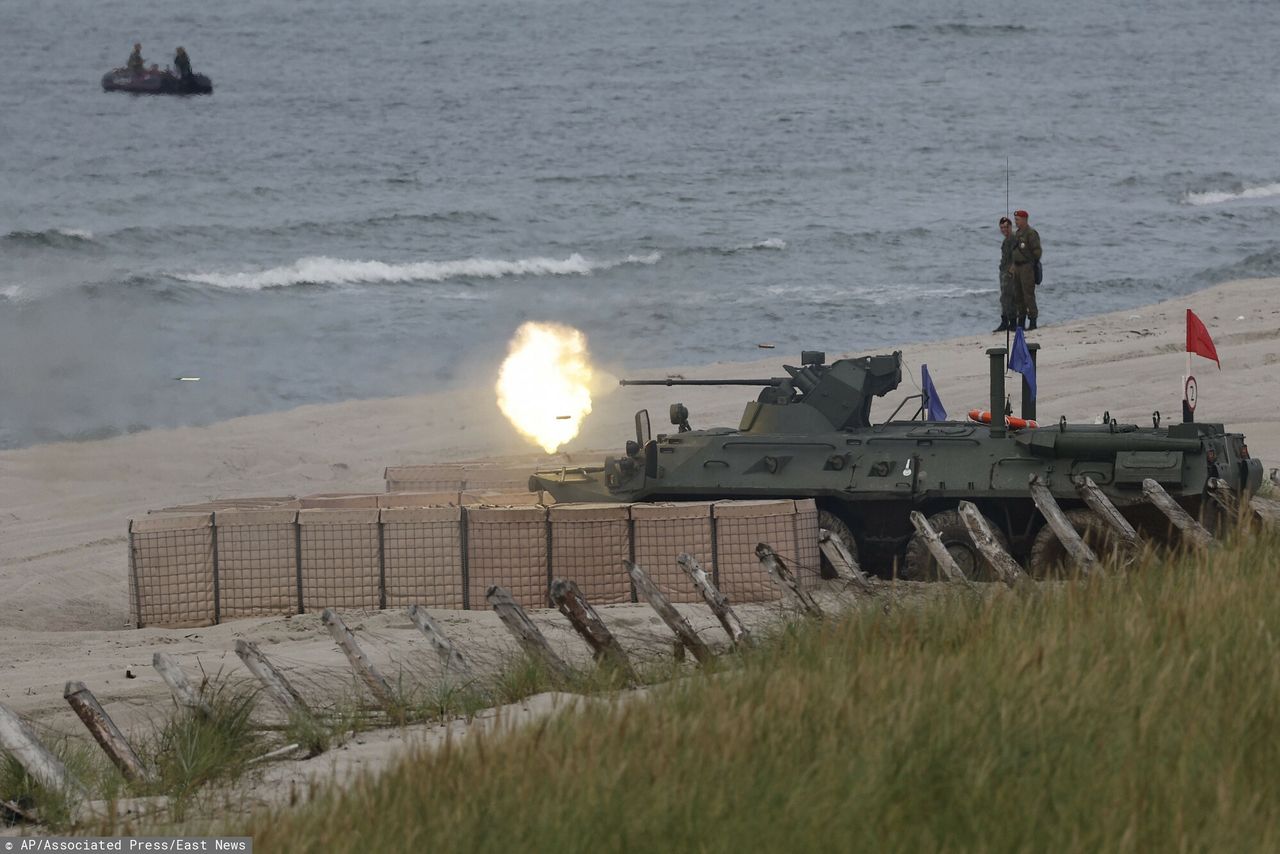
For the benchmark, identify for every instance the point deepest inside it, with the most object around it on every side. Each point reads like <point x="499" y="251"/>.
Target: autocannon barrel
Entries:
<point x="670" y="382"/>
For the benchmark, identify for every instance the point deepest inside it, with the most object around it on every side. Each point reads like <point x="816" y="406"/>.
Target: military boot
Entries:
<point x="1033" y="324"/>
<point x="1004" y="325"/>
<point x="1022" y="321"/>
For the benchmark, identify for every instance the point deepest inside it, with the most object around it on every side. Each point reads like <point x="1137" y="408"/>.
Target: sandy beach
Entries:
<point x="64" y="507"/>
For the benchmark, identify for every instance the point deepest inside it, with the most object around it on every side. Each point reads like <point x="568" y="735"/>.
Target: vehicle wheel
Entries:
<point x="1049" y="558"/>
<point x="920" y="565"/>
<point x="839" y="530"/>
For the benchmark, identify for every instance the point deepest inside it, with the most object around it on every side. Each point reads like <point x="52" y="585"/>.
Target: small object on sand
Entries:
<point x="187" y="379"/>
<point x="563" y="417"/>
<point x="129" y="674"/>
<point x="1241" y="317"/>
<point x="765" y="346"/>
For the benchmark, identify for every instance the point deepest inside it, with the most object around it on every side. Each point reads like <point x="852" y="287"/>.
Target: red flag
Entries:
<point x="1198" y="340"/>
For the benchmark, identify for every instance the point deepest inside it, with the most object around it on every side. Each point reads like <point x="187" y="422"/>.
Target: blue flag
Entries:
<point x="933" y="408"/>
<point x="1020" y="361"/>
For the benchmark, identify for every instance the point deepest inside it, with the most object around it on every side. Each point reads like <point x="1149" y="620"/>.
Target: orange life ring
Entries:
<point x="982" y="416"/>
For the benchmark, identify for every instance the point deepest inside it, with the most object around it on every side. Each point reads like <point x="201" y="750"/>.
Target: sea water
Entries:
<point x="377" y="194"/>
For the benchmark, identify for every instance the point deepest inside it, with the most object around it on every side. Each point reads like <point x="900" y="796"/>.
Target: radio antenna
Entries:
<point x="1007" y="345"/>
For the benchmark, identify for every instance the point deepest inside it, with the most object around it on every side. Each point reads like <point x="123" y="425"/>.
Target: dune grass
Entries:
<point x="1136" y="713"/>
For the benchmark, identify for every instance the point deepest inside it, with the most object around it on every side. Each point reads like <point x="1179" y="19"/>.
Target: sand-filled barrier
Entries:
<point x="206" y="564"/>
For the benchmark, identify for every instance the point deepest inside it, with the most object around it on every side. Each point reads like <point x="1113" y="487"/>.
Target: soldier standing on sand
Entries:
<point x="1010" y="299"/>
<point x="1026" y="253"/>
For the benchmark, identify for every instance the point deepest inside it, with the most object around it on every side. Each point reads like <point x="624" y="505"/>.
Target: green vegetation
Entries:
<point x="1134" y="713"/>
<point x="192" y="749"/>
<point x="56" y="807"/>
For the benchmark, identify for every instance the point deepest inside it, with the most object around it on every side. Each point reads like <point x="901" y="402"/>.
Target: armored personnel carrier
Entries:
<point x="809" y="435"/>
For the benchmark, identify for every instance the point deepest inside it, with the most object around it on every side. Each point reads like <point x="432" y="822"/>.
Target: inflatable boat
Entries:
<point x="155" y="82"/>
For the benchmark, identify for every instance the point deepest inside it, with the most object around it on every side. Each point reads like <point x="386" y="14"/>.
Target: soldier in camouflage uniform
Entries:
<point x="1010" y="299"/>
<point x="182" y="62"/>
<point x="1026" y="252"/>
<point x="136" y="63"/>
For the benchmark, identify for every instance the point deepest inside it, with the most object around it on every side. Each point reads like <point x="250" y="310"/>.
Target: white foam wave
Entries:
<point x="338" y="271"/>
<point x="11" y="292"/>
<point x="1215" y="197"/>
<point x="80" y="233"/>
<point x="770" y="243"/>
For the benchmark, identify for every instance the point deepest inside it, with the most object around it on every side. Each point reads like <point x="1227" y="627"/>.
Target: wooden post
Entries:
<point x="946" y="562"/>
<point x="360" y="662"/>
<point x="678" y="624"/>
<point x="1086" y="561"/>
<point x="525" y="632"/>
<point x="718" y="602"/>
<point x="1192" y="531"/>
<point x="838" y="554"/>
<point x="578" y="611"/>
<point x="1265" y="510"/>
<point x="25" y="815"/>
<point x="986" y="543"/>
<point x="1222" y="494"/>
<point x="449" y="655"/>
<point x="181" y="688"/>
<point x="781" y="575"/>
<point x="275" y="754"/>
<point x="277" y="687"/>
<point x="1098" y="502"/>
<point x="105" y="732"/>
<point x="21" y="743"/>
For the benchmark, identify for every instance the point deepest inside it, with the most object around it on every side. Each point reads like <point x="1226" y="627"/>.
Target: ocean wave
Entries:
<point x="11" y="293"/>
<point x="338" y="271"/>
<point x="775" y="244"/>
<point x="963" y="29"/>
<point x="1217" y="197"/>
<point x="49" y="237"/>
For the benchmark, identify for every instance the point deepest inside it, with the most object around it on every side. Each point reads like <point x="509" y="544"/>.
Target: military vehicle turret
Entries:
<point x="808" y="435"/>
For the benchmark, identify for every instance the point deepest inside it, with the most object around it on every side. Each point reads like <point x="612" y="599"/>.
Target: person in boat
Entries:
<point x="182" y="62"/>
<point x="136" y="63"/>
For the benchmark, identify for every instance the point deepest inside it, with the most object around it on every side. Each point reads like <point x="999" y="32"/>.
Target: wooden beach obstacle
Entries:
<point x="586" y="622"/>
<point x="526" y="633"/>
<point x="1192" y="532"/>
<point x="786" y="580"/>
<point x="360" y="662"/>
<point x="106" y="733"/>
<point x="17" y="739"/>
<point x="1097" y="501"/>
<point x="1081" y="555"/>
<point x="449" y="656"/>
<point x="275" y="684"/>
<point x="686" y="636"/>
<point x="717" y="601"/>
<point x="947" y="565"/>
<point x="985" y="541"/>
<point x="180" y="686"/>
<point x="1224" y="496"/>
<point x="842" y="560"/>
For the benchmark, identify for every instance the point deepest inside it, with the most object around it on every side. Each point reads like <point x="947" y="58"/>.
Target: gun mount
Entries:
<point x="814" y="396"/>
<point x="809" y="435"/>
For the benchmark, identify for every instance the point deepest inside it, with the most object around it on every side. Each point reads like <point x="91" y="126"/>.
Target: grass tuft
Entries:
<point x="192" y="749"/>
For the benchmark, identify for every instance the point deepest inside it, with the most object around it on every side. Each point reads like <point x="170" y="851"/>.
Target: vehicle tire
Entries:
<point x="1049" y="558"/>
<point x="839" y="530"/>
<point x="919" y="564"/>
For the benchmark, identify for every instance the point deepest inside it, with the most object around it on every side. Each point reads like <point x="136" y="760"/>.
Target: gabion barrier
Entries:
<point x="197" y="568"/>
